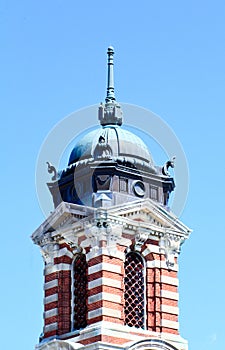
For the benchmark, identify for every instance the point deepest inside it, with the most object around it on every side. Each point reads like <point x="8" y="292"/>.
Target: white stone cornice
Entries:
<point x="137" y="339"/>
<point x="64" y="213"/>
<point x="70" y="221"/>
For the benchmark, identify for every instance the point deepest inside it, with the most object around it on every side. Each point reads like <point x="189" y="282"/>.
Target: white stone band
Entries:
<point x="104" y="281"/>
<point x="104" y="296"/>
<point x="104" y="311"/>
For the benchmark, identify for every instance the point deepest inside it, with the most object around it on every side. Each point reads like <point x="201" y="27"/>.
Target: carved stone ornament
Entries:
<point x="103" y="231"/>
<point x="169" y="164"/>
<point x="52" y="169"/>
<point x="102" y="149"/>
<point x="141" y="237"/>
<point x="171" y="246"/>
<point x="49" y="251"/>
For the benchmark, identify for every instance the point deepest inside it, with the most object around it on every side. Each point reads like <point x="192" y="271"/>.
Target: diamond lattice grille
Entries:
<point x="79" y="292"/>
<point x="134" y="291"/>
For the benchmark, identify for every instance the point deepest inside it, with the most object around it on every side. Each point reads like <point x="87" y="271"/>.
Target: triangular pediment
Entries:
<point x="64" y="216"/>
<point x="144" y="214"/>
<point x="150" y="213"/>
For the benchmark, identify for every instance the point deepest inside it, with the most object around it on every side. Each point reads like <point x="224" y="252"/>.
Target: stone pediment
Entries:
<point x="142" y="219"/>
<point x="148" y="213"/>
<point x="65" y="216"/>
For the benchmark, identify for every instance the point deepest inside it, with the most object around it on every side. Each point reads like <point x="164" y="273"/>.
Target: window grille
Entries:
<point x="79" y="290"/>
<point x="134" y="295"/>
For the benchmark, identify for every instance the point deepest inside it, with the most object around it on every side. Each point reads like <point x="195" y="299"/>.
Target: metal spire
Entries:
<point x="110" y="96"/>
<point x="110" y="112"/>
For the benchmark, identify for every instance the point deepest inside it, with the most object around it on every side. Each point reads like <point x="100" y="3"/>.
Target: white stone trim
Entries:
<point x="170" y="309"/>
<point x="151" y="248"/>
<point x="169" y="295"/>
<point x="104" y="251"/>
<point x="51" y="298"/>
<point x="50" y="313"/>
<point x="120" y="331"/>
<point x="65" y="252"/>
<point x="59" y="344"/>
<point x="104" y="266"/>
<point x="51" y="327"/>
<point x="51" y="284"/>
<point x="160" y="264"/>
<point x="153" y="238"/>
<point x="104" y="281"/>
<point x="170" y="280"/>
<point x="104" y="296"/>
<point x="104" y="311"/>
<point x="169" y="324"/>
<point x="56" y="268"/>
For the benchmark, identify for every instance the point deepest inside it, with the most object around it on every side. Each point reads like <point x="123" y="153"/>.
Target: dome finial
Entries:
<point x="110" y="112"/>
<point x="110" y="96"/>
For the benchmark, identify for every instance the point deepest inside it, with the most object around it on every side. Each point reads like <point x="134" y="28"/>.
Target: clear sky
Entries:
<point x="170" y="59"/>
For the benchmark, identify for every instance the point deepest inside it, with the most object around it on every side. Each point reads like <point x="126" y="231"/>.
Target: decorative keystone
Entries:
<point x="103" y="231"/>
<point x="141" y="237"/>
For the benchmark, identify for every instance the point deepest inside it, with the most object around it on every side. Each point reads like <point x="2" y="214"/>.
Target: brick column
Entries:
<point x="105" y="287"/>
<point x="162" y="293"/>
<point x="57" y="290"/>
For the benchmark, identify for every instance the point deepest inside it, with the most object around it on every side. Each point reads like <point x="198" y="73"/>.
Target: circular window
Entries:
<point x="139" y="189"/>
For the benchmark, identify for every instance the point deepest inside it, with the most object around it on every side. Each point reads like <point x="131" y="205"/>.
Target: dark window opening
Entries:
<point x="134" y="293"/>
<point x="79" y="292"/>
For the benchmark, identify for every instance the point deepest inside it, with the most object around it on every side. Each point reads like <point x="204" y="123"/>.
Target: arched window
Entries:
<point x="79" y="292"/>
<point x="134" y="293"/>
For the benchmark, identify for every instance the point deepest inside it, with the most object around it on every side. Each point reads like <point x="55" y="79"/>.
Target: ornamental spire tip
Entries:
<point x="110" y="95"/>
<point x="110" y="113"/>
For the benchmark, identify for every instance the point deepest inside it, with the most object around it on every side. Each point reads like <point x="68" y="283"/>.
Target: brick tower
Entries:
<point x="110" y="246"/>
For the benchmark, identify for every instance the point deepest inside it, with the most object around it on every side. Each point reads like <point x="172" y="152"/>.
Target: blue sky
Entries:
<point x="169" y="59"/>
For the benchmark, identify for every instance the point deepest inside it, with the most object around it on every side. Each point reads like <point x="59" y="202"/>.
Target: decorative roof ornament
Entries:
<point x="110" y="96"/>
<point x="169" y="164"/>
<point x="110" y="113"/>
